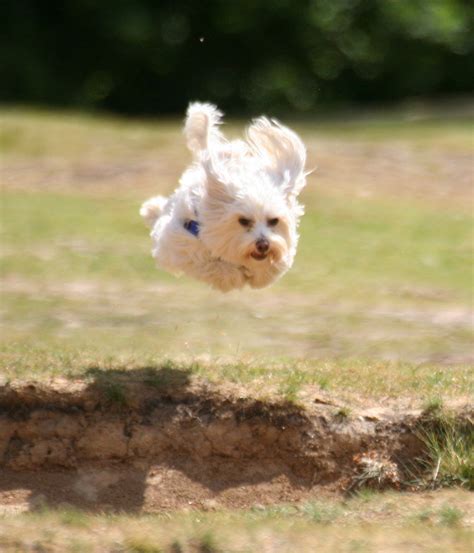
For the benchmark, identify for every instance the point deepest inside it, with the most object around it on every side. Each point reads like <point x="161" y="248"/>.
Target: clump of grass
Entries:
<point x="115" y="393"/>
<point x="207" y="544"/>
<point x="322" y="513"/>
<point x="323" y="382"/>
<point x="343" y="413"/>
<point x="424" y="515"/>
<point x="260" y="512"/>
<point x="450" y="516"/>
<point x="450" y="453"/>
<point x="289" y="391"/>
<point x="366" y="495"/>
<point x="433" y="406"/>
<point x="74" y="517"/>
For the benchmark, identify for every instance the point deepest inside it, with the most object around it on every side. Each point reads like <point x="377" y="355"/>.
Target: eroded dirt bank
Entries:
<point x="158" y="444"/>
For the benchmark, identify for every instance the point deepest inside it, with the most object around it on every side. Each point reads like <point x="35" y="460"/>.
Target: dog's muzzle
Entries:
<point x="262" y="246"/>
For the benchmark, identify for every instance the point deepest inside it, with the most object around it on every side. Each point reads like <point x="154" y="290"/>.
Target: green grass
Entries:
<point x="109" y="361"/>
<point x="369" y="282"/>
<point x="379" y="299"/>
<point x="433" y="522"/>
<point x="36" y="134"/>
<point x="376" y="310"/>
<point x="450" y="452"/>
<point x="451" y="516"/>
<point x="347" y="246"/>
<point x="23" y="131"/>
<point x="376" y="245"/>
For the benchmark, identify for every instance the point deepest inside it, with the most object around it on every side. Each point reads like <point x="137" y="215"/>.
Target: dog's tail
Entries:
<point x="152" y="209"/>
<point x="202" y="126"/>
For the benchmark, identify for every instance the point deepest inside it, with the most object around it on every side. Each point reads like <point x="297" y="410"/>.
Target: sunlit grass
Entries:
<point x="376" y="279"/>
<point x="37" y="133"/>
<point x="370" y="281"/>
<point x="381" y="522"/>
<point x="350" y="247"/>
<point x="270" y="378"/>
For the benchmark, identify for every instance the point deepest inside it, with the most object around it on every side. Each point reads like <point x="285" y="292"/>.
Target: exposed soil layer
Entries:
<point x="170" y="442"/>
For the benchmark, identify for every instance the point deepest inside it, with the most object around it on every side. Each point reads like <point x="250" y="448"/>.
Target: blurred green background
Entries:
<point x="152" y="57"/>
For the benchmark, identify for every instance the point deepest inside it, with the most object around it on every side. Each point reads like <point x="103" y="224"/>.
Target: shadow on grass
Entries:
<point x="113" y="382"/>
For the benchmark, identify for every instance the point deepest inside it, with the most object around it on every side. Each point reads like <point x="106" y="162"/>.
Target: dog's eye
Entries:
<point x="245" y="222"/>
<point x="273" y="222"/>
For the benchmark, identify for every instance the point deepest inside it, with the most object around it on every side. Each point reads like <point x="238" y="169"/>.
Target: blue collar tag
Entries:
<point x="192" y="227"/>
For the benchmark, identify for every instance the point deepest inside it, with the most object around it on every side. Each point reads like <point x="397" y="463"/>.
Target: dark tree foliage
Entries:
<point x="153" y="56"/>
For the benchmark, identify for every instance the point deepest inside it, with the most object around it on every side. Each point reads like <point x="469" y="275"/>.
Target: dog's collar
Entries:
<point x="192" y="227"/>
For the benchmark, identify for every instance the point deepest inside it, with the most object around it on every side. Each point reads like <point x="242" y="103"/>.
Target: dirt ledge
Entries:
<point x="211" y="435"/>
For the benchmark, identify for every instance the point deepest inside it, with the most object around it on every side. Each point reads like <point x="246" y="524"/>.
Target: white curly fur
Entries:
<point x="257" y="180"/>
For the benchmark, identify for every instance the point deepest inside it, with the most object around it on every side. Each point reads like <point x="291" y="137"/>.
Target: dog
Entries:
<point x="233" y="221"/>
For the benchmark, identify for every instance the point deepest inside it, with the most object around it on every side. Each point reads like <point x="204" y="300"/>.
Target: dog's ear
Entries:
<point x="217" y="185"/>
<point x="282" y="152"/>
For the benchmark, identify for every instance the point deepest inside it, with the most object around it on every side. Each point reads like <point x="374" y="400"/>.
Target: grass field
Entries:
<point x="378" y="307"/>
<point x="368" y="523"/>
<point x="383" y="271"/>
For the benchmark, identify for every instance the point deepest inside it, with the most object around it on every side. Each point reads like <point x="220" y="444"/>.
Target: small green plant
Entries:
<point x="433" y="406"/>
<point x="323" y="382"/>
<point x="422" y="516"/>
<point x="74" y="517"/>
<point x="273" y="511"/>
<point x="365" y="495"/>
<point x="291" y="385"/>
<point x="207" y="544"/>
<point x="115" y="393"/>
<point x="450" y="516"/>
<point x="343" y="413"/>
<point x="321" y="512"/>
<point x="290" y="391"/>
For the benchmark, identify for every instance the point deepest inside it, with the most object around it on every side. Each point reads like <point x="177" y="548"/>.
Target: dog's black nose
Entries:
<point x="262" y="245"/>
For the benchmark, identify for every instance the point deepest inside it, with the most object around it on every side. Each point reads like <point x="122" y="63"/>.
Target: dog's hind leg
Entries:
<point x="152" y="209"/>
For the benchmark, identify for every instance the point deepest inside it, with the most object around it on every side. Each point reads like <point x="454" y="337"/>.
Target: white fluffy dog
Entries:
<point x="233" y="220"/>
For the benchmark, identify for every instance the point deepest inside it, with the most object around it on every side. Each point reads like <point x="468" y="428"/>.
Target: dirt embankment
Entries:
<point x="170" y="442"/>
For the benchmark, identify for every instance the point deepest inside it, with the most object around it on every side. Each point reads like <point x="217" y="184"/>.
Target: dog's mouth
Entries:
<point x="259" y="256"/>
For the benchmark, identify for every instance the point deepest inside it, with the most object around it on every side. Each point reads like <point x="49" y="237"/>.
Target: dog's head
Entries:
<point x="250" y="211"/>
